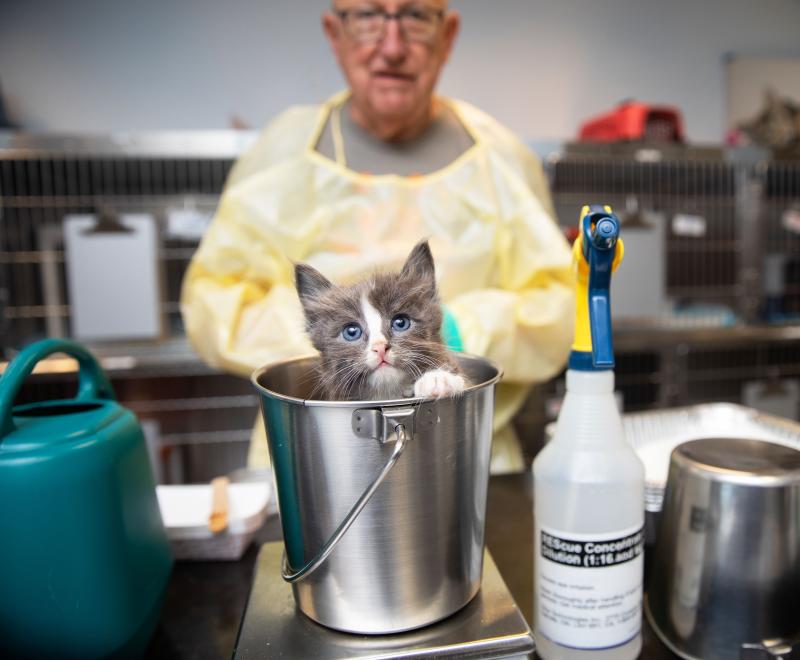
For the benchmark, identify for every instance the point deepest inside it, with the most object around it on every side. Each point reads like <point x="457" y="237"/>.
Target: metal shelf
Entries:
<point x="172" y="357"/>
<point x="635" y="337"/>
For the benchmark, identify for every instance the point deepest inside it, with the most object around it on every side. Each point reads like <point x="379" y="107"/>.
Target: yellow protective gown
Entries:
<point x="503" y="266"/>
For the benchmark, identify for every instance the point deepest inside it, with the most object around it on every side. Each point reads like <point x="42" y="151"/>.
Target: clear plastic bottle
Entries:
<point x="589" y="484"/>
<point x="589" y="487"/>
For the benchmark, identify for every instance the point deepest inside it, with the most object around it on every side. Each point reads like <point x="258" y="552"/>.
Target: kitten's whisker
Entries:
<point x="433" y="364"/>
<point x="336" y="380"/>
<point x="346" y="383"/>
<point x="350" y="377"/>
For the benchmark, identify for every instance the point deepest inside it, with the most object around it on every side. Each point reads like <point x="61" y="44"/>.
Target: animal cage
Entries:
<point x="43" y="180"/>
<point x="714" y="307"/>
<point x="197" y="421"/>
<point x="713" y="310"/>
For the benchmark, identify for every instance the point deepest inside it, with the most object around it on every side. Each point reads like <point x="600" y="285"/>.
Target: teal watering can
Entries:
<point x="84" y="559"/>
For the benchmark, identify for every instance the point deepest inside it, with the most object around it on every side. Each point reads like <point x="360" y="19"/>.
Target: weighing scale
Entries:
<point x="489" y="626"/>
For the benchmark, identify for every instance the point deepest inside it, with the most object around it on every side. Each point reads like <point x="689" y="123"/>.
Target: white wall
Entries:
<point x="541" y="67"/>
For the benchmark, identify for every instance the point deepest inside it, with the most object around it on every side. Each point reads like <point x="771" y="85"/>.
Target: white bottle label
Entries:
<point x="589" y="587"/>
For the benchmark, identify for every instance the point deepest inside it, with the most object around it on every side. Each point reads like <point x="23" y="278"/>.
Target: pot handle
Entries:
<point x="92" y="380"/>
<point x="350" y="518"/>
<point x="771" y="648"/>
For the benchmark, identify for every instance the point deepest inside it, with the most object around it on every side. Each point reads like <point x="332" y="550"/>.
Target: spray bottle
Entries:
<point x="589" y="484"/>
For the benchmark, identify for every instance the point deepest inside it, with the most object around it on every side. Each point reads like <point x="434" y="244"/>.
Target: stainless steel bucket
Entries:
<point x="382" y="503"/>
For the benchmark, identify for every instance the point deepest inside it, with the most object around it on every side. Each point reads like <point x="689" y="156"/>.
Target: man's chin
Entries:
<point x="393" y="105"/>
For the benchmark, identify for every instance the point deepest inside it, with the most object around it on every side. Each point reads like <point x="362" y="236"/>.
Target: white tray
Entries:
<point x="185" y="510"/>
<point x="655" y="434"/>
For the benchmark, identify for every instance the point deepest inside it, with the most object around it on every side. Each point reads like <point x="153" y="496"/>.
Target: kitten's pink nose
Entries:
<point x="380" y="348"/>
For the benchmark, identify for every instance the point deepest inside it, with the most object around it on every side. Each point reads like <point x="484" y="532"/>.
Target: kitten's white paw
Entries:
<point x="439" y="383"/>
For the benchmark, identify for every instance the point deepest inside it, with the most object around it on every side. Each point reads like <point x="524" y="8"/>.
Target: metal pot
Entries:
<point x="382" y="503"/>
<point x="726" y="573"/>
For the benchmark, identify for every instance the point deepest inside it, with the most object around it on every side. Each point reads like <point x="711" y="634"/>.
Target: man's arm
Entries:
<point x="523" y="319"/>
<point x="238" y="299"/>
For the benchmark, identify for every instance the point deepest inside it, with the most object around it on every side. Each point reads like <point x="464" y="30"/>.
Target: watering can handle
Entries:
<point x="350" y="518"/>
<point x="92" y="380"/>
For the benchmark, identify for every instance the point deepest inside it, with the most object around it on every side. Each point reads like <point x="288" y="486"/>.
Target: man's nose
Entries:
<point x="393" y="46"/>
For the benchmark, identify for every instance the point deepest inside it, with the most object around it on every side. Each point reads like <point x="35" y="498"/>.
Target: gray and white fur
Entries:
<point x="379" y="338"/>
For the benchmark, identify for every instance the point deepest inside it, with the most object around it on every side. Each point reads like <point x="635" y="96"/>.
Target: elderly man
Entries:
<point x="351" y="185"/>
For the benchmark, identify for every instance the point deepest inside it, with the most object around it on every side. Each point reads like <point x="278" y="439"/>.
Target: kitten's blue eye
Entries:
<point x="401" y="323"/>
<point x="352" y="331"/>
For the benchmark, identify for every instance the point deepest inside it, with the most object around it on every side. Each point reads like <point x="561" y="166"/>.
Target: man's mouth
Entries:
<point x="394" y="75"/>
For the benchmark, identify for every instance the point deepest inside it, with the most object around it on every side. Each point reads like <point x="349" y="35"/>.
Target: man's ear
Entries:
<point x="310" y="283"/>
<point x="420" y="264"/>
<point x="450" y="28"/>
<point x="332" y="27"/>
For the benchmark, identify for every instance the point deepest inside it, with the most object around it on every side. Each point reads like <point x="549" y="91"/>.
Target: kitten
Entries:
<point x="379" y="338"/>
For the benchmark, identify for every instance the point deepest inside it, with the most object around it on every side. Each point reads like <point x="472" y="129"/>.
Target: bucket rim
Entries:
<point x="361" y="403"/>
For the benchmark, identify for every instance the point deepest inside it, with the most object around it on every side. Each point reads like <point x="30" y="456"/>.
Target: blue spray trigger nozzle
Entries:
<point x="600" y="228"/>
<point x="605" y="233"/>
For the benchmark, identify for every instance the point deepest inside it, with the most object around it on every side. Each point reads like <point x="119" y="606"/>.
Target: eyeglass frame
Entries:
<point x="343" y="14"/>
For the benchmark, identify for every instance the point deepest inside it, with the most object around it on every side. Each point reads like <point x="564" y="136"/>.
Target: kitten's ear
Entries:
<point x="771" y="97"/>
<point x="310" y="283"/>
<point x="420" y="263"/>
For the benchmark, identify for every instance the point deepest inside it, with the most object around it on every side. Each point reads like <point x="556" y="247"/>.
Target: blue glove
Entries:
<point x="450" y="333"/>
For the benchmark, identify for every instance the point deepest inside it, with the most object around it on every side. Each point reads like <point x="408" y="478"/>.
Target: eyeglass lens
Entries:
<point x="368" y="23"/>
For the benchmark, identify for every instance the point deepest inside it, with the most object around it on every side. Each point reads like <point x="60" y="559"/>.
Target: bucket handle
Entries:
<point x="401" y="418"/>
<point x="92" y="380"/>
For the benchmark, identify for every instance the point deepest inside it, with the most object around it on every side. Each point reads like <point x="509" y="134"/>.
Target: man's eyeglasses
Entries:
<point x="368" y="24"/>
